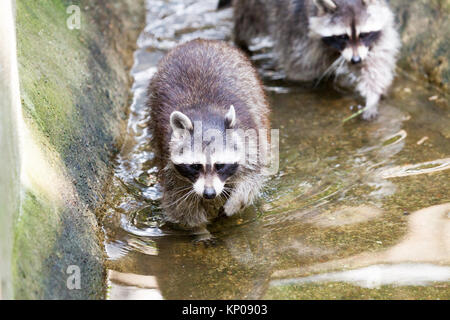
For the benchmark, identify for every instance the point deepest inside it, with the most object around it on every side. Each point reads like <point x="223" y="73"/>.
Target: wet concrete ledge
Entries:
<point x="74" y="87"/>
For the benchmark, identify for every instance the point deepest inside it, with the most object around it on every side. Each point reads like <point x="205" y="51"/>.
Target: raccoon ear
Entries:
<point x="325" y="5"/>
<point x="179" y="121"/>
<point x="230" y="118"/>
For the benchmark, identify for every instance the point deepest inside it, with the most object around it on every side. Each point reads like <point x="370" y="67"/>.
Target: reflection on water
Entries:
<point x="344" y="191"/>
<point x="403" y="274"/>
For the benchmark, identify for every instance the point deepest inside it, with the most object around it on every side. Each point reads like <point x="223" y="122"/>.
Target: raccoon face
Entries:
<point x="209" y="180"/>
<point x="354" y="47"/>
<point x="208" y="169"/>
<point x="350" y="27"/>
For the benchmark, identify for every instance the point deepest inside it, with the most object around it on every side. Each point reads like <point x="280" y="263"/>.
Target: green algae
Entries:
<point x="391" y="140"/>
<point x="74" y="85"/>
<point x="64" y="240"/>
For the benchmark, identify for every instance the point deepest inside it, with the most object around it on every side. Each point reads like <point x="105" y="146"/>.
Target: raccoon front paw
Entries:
<point x="221" y="213"/>
<point x="207" y="240"/>
<point x="370" y="114"/>
<point x="354" y="108"/>
<point x="230" y="208"/>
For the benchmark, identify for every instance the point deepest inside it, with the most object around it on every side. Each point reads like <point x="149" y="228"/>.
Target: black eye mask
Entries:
<point x="190" y="171"/>
<point x="368" y="38"/>
<point x="225" y="170"/>
<point x="337" y="42"/>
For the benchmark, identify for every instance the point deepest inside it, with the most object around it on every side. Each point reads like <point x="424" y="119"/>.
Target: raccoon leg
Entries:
<point x="374" y="81"/>
<point x="249" y="21"/>
<point x="188" y="214"/>
<point x="233" y="206"/>
<point x="193" y="219"/>
<point x="243" y="194"/>
<point x="202" y="235"/>
<point x="241" y="26"/>
<point x="371" y="108"/>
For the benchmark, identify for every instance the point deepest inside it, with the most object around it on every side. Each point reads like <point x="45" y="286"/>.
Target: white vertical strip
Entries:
<point x="10" y="110"/>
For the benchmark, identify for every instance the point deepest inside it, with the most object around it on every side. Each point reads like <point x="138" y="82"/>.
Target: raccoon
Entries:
<point x="223" y="4"/>
<point x="205" y="86"/>
<point x="354" y="40"/>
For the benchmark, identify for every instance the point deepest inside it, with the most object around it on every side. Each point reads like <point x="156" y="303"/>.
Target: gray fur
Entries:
<point x="301" y="51"/>
<point x="214" y="83"/>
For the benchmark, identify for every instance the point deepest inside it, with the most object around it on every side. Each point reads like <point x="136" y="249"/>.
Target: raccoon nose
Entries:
<point x="209" y="193"/>
<point x="356" y="59"/>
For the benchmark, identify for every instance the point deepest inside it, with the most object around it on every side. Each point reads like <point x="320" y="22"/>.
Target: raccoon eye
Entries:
<point x="219" y="166"/>
<point x="342" y="37"/>
<point x="369" y="37"/>
<point x="364" y="34"/>
<point x="337" y="42"/>
<point x="226" y="170"/>
<point x="189" y="171"/>
<point x="196" y="166"/>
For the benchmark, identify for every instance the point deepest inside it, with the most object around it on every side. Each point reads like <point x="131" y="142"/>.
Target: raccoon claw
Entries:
<point x="357" y="107"/>
<point x="207" y="240"/>
<point x="370" y="114"/>
<point x="230" y="208"/>
<point x="221" y="213"/>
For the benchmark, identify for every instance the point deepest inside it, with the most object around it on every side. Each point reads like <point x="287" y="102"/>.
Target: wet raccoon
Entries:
<point x="354" y="40"/>
<point x="203" y="96"/>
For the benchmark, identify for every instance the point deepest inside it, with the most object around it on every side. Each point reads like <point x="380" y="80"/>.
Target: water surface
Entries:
<point x="345" y="194"/>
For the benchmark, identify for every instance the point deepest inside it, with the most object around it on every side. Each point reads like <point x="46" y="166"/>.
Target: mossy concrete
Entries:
<point x="424" y="26"/>
<point x="9" y="154"/>
<point x="74" y="88"/>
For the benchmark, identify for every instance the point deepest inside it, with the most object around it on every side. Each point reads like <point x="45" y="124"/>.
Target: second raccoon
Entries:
<point x="354" y="40"/>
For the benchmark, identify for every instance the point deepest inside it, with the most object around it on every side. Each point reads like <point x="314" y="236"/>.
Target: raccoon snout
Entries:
<point x="209" y="193"/>
<point x="356" y="59"/>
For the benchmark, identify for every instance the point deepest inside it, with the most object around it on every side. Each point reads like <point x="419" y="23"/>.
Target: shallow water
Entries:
<point x="344" y="192"/>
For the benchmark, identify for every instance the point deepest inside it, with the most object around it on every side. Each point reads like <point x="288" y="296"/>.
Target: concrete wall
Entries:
<point x="74" y="87"/>
<point x="9" y="155"/>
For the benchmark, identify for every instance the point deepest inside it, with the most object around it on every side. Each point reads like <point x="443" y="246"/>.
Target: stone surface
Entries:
<point x="9" y="171"/>
<point x="424" y="29"/>
<point x="74" y="89"/>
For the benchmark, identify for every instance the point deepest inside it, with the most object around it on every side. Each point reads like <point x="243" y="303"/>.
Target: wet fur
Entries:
<point x="201" y="79"/>
<point x="306" y="58"/>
